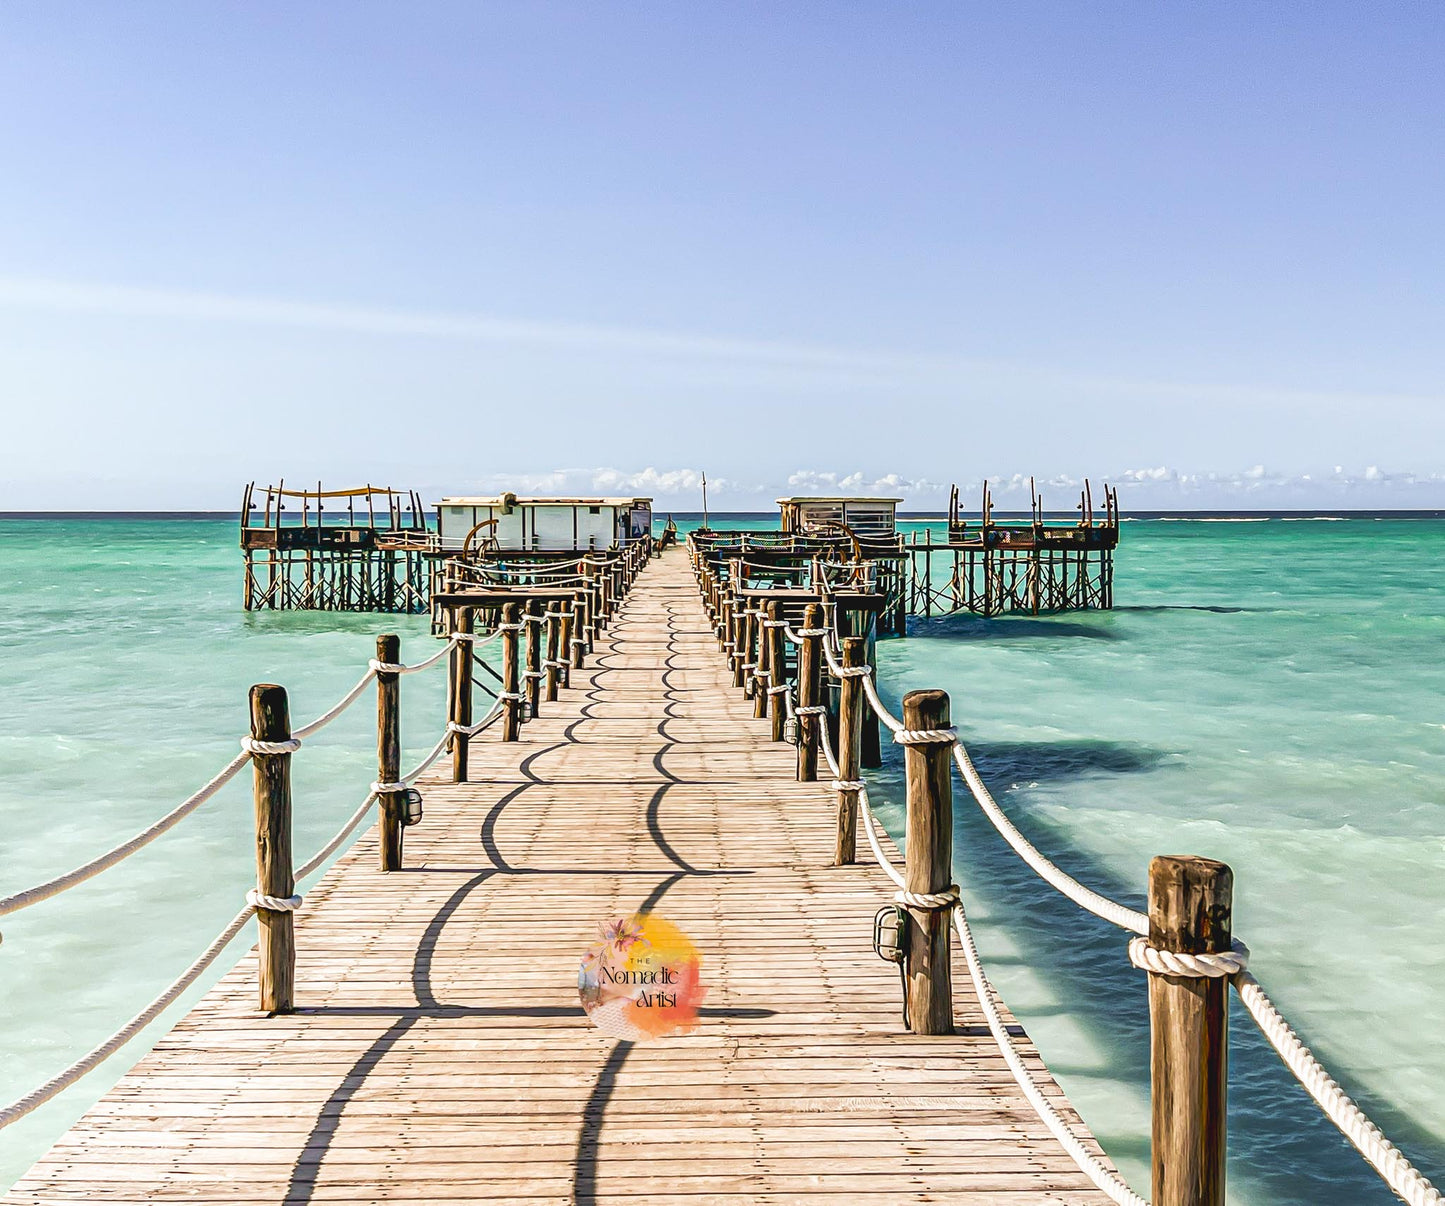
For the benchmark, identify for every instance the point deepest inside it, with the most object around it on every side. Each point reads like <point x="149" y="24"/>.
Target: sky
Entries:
<point x="1194" y="250"/>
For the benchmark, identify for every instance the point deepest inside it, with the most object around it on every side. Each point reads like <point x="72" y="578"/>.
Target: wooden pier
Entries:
<point x="438" y="1052"/>
<point x="361" y="549"/>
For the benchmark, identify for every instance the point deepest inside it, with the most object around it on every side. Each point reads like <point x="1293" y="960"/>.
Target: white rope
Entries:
<point x="868" y="828"/>
<point x="1217" y="966"/>
<point x="433" y="660"/>
<point x="339" y="707"/>
<point x="471" y="730"/>
<point x="436" y="752"/>
<point x="476" y="638"/>
<point x="1401" y="1176"/>
<point x="379" y="667"/>
<point x="1107" y="1180"/>
<point x="870" y="692"/>
<point x="252" y="746"/>
<point x="334" y="844"/>
<point x="775" y="623"/>
<point x="812" y="710"/>
<point x="928" y="900"/>
<point x="826" y="742"/>
<point x="780" y="689"/>
<point x="53" y="887"/>
<point x="275" y="904"/>
<point x="511" y="696"/>
<point x="925" y="736"/>
<point x="386" y="787"/>
<point x="87" y="1063"/>
<point x="868" y="821"/>
<point x="1086" y="898"/>
<point x="1397" y="1171"/>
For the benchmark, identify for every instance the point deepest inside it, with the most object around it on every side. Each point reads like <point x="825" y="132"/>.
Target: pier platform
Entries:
<point x="439" y="1052"/>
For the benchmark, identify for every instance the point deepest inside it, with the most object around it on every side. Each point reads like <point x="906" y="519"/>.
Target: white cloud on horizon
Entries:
<point x="1141" y="489"/>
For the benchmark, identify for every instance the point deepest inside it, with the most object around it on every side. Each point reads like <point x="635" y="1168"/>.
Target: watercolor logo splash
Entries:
<point x="642" y="980"/>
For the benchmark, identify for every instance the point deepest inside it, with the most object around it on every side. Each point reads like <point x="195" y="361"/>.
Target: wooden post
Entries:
<point x="738" y="612"/>
<point x="749" y="648"/>
<point x="533" y="633"/>
<point x="591" y="622"/>
<point x="511" y="672"/>
<point x="777" y="669"/>
<point x="553" y="652"/>
<point x="810" y="662"/>
<point x="1189" y="912"/>
<point x="758" y="654"/>
<point x="604" y="608"/>
<point x="461" y="710"/>
<point x="391" y="805"/>
<point x="872" y="732"/>
<point x="571" y="654"/>
<point x="929" y="864"/>
<point x="850" y="749"/>
<point x="271" y="789"/>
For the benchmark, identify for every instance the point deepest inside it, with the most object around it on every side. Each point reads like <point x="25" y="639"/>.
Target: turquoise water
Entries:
<point x="1265" y="693"/>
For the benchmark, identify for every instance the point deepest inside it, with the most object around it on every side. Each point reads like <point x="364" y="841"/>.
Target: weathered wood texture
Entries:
<point x="1190" y="902"/>
<point x="390" y="804"/>
<point x="439" y="1054"/>
<point x="271" y="792"/>
<point x="461" y="671"/>
<point x="929" y="855"/>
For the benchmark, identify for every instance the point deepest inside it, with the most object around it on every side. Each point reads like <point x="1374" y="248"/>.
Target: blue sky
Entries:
<point x="1195" y="249"/>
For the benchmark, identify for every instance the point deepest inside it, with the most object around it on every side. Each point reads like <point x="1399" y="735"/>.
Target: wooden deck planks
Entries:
<point x="440" y="1055"/>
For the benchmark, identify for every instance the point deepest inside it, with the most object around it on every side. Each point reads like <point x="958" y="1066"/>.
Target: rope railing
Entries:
<point x="1343" y="1112"/>
<point x="285" y="744"/>
<point x="23" y="899"/>
<point x="93" y="1059"/>
<point x="99" y="1054"/>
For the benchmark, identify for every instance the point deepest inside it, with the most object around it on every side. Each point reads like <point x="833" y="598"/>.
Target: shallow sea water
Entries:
<point x="1270" y="694"/>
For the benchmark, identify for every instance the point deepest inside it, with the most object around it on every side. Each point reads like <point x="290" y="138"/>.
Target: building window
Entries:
<point x="594" y="510"/>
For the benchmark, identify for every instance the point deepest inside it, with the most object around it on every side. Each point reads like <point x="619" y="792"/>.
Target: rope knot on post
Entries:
<point x="1222" y="965"/>
<point x="847" y="785"/>
<point x="928" y="900"/>
<point x="277" y="904"/>
<point x="253" y="745"/>
<point x="948" y="736"/>
<point x="382" y="787"/>
<point x="381" y="667"/>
